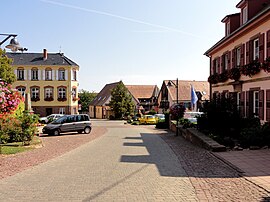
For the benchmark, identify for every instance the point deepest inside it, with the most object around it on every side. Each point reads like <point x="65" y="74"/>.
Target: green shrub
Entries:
<point x="186" y="123"/>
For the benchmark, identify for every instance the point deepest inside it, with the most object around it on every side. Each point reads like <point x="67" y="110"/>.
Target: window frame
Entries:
<point x="244" y="15"/>
<point x="256" y="50"/>
<point x="48" y="74"/>
<point x="48" y="95"/>
<point x="34" y="74"/>
<point x="36" y="92"/>
<point x="20" y="74"/>
<point x="63" y="93"/>
<point x="61" y="75"/>
<point x="256" y="102"/>
<point x="22" y="92"/>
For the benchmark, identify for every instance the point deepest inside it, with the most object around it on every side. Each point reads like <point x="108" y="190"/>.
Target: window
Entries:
<point x="238" y="56"/>
<point x="62" y="93"/>
<point x="48" y="93"/>
<point x="74" y="73"/>
<point x="256" y="103"/>
<point x="34" y="74"/>
<point x="20" y="74"/>
<point x="34" y="93"/>
<point x="256" y="49"/>
<point x="244" y="15"/>
<point x="226" y="62"/>
<point x="21" y="90"/>
<point x="238" y="100"/>
<point x="61" y="75"/>
<point x="73" y="93"/>
<point x="48" y="74"/>
<point x="227" y="28"/>
<point x="61" y="110"/>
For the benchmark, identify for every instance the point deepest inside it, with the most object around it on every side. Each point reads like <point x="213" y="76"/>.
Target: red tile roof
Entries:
<point x="184" y="89"/>
<point x="142" y="91"/>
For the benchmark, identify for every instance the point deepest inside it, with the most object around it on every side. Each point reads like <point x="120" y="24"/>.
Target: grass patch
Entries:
<point x="17" y="147"/>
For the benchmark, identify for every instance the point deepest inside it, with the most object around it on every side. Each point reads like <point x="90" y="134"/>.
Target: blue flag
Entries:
<point x="194" y="97"/>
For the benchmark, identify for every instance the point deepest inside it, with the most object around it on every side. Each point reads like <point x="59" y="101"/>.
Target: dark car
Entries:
<point x="69" y="123"/>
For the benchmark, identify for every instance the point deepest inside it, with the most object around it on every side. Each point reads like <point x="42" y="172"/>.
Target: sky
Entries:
<point x="141" y="42"/>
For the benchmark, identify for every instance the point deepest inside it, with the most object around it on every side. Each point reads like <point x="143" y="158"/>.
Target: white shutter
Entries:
<point x="56" y="74"/>
<point x="29" y="74"/>
<point x="15" y="72"/>
<point x="39" y="74"/>
<point x="43" y="76"/>
<point x="77" y="75"/>
<point x="66" y="75"/>
<point x="53" y="78"/>
<point x="25" y="74"/>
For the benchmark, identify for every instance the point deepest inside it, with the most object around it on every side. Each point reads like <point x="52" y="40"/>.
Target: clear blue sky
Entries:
<point x="137" y="41"/>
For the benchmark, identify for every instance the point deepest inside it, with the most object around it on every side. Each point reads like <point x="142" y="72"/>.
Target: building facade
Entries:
<point x="168" y="94"/>
<point x="240" y="61"/>
<point x="50" y="79"/>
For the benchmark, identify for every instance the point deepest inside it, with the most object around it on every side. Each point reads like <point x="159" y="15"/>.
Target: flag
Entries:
<point x="194" y="97"/>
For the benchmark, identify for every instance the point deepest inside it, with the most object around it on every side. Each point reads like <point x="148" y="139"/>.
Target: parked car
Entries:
<point x="192" y="116"/>
<point x="160" y="117"/>
<point x="69" y="123"/>
<point x="50" y="118"/>
<point x="148" y="119"/>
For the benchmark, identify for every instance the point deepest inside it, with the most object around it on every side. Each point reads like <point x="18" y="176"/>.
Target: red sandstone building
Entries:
<point x="240" y="61"/>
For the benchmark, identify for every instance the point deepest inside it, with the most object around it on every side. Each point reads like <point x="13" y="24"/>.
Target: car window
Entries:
<point x="79" y="118"/>
<point x="70" y="119"/>
<point x="61" y="120"/>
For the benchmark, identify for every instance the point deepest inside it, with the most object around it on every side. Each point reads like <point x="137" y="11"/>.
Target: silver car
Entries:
<point x="69" y="123"/>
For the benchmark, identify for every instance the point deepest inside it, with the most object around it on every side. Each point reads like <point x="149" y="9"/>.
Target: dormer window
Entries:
<point x="244" y="15"/>
<point x="228" y="28"/>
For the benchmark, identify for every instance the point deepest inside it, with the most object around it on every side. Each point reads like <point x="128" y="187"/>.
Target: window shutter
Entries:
<point x="268" y="105"/>
<point x="39" y="74"/>
<point x="247" y="53"/>
<point x="242" y="61"/>
<point x="56" y="75"/>
<point x="43" y="75"/>
<point x="242" y="103"/>
<point x="247" y="103"/>
<point x="53" y="77"/>
<point x="261" y="104"/>
<point x="66" y="75"/>
<point x="229" y="60"/>
<point x="29" y="74"/>
<point x="251" y="50"/>
<point x="261" y="48"/>
<point x="218" y="67"/>
<point x="233" y="63"/>
<point x="268" y="43"/>
<point x="222" y="64"/>
<point x="25" y="75"/>
<point x="16" y="73"/>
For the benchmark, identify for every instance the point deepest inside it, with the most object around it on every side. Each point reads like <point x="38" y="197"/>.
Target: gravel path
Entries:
<point x="53" y="146"/>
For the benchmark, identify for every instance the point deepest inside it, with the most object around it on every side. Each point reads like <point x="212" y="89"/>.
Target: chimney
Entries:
<point x="45" y="54"/>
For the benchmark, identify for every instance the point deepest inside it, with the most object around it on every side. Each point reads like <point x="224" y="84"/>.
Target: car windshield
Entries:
<point x="161" y="116"/>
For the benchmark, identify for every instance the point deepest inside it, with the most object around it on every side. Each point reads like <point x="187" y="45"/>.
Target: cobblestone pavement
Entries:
<point x="131" y="163"/>
<point x="52" y="147"/>
<point x="212" y="179"/>
<point x="125" y="164"/>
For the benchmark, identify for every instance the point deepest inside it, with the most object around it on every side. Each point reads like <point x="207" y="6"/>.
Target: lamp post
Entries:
<point x="170" y="83"/>
<point x="14" y="44"/>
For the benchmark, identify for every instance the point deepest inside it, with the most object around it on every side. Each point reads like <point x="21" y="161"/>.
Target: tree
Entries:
<point x="121" y="101"/>
<point x="85" y="99"/>
<point x="6" y="71"/>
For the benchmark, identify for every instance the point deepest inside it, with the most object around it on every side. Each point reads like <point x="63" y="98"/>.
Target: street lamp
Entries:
<point x="14" y="44"/>
<point x="170" y="83"/>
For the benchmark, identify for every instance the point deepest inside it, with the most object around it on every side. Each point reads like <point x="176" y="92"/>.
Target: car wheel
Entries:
<point x="87" y="130"/>
<point x="56" y="132"/>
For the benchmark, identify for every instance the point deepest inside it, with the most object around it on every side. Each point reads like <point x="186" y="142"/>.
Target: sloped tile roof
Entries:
<point x="142" y="91"/>
<point x="184" y="89"/>
<point x="104" y="95"/>
<point x="37" y="59"/>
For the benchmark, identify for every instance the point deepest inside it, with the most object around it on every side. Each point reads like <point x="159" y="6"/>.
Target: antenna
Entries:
<point x="60" y="49"/>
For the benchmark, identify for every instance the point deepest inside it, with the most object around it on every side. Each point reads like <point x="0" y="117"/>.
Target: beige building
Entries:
<point x="51" y="80"/>
<point x="240" y="61"/>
